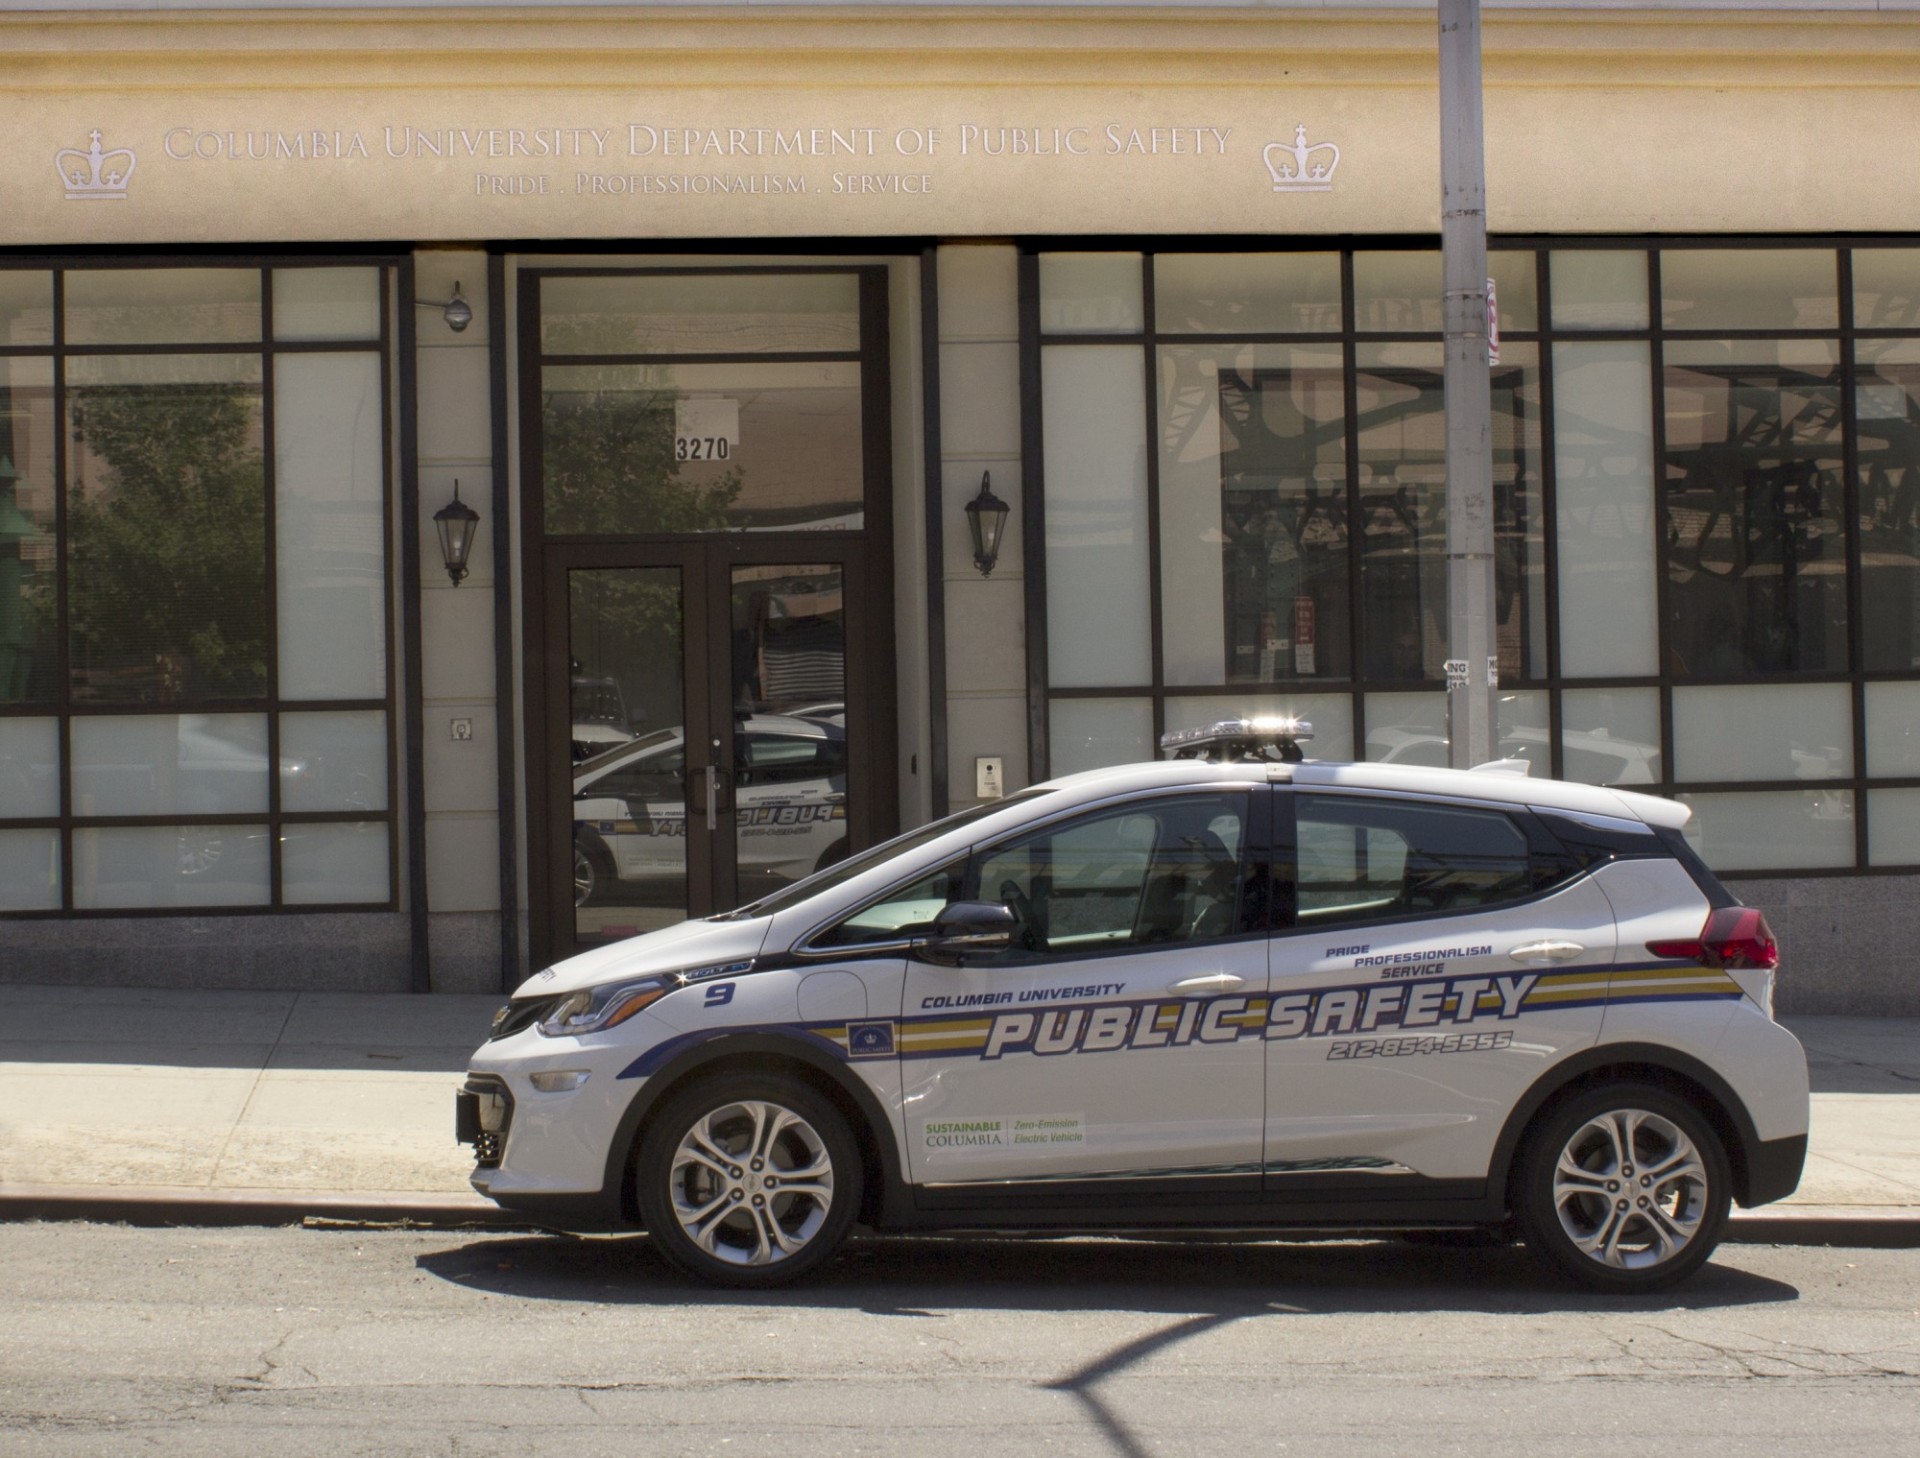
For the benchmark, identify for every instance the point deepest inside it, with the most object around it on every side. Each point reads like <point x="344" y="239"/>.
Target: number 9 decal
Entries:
<point x="720" y="994"/>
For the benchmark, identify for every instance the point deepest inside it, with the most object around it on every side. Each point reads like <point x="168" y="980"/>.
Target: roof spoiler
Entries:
<point x="1504" y="767"/>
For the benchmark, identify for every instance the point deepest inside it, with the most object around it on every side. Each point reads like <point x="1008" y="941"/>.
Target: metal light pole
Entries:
<point x="1472" y="646"/>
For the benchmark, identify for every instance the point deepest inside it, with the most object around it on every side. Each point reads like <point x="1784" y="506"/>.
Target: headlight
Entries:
<point x="595" y="1009"/>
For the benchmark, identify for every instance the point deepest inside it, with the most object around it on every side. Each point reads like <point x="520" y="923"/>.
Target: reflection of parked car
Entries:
<point x="1591" y="757"/>
<point x="789" y="808"/>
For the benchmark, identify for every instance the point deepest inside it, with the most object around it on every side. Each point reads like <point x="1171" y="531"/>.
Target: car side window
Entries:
<point x="1147" y="873"/>
<point x="786" y="759"/>
<point x="1363" y="859"/>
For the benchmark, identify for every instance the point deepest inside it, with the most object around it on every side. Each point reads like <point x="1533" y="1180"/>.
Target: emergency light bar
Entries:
<point x="1237" y="739"/>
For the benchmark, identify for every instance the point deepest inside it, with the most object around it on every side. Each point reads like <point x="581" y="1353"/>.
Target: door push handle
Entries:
<point x="1539" y="954"/>
<point x="713" y="797"/>
<point x="1211" y="982"/>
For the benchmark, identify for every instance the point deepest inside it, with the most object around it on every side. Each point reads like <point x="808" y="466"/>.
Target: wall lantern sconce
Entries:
<point x="987" y="520"/>
<point x="456" y="310"/>
<point x="455" y="522"/>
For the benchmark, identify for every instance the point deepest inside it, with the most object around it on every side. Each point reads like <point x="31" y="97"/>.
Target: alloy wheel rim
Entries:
<point x="751" y="1183"/>
<point x="1630" y="1189"/>
<point x="582" y="877"/>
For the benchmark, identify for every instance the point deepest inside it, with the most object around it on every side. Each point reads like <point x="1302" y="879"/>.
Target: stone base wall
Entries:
<point x="1849" y="944"/>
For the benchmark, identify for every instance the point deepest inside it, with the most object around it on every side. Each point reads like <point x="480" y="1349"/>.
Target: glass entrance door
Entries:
<point x="713" y="713"/>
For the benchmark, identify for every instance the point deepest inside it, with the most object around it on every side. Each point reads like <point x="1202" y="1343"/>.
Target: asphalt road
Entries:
<point x="337" y="1342"/>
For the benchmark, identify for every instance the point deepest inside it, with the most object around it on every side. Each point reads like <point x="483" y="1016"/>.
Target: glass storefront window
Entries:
<point x="761" y="445"/>
<point x="1253" y="513"/>
<point x="1246" y="293"/>
<point x="26" y="308"/>
<point x="1603" y="485"/>
<point x="1886" y="288"/>
<point x="1095" y="446"/>
<point x="1749" y="288"/>
<point x="333" y="864"/>
<point x="1611" y="736"/>
<point x="675" y="314"/>
<point x="1598" y="288"/>
<point x="326" y="304"/>
<point x="1763" y="732"/>
<point x="1790" y="830"/>
<point x="27" y="549"/>
<point x="1756" y="557"/>
<point x="166" y="528"/>
<point x="1893" y="827"/>
<point x="1401" y="430"/>
<point x="1089" y="733"/>
<point x="1407" y="729"/>
<point x="150" y="541"/>
<point x="121" y="306"/>
<point x="1090" y="293"/>
<point x="1886" y="404"/>
<point x="1893" y="729"/>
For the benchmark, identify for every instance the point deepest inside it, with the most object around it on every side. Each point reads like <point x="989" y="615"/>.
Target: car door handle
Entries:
<point x="1539" y="954"/>
<point x="1211" y="982"/>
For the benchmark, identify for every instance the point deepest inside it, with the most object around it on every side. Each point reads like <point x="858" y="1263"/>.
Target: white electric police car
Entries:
<point x="1234" y="990"/>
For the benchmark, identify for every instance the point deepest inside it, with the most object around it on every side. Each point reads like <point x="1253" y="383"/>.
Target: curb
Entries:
<point x="1876" y="1227"/>
<point x="186" y="1205"/>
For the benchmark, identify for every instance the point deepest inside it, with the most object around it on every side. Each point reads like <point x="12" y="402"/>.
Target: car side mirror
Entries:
<point x="967" y="929"/>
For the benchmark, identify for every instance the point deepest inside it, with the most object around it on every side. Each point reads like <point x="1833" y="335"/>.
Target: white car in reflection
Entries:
<point x="788" y="800"/>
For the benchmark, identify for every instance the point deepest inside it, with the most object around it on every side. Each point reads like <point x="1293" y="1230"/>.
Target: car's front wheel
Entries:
<point x="748" y="1181"/>
<point x="1624" y="1188"/>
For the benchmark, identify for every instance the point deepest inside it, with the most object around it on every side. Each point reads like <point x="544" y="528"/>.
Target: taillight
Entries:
<point x="1735" y="937"/>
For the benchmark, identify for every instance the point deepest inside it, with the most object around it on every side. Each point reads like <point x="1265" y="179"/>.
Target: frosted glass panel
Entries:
<point x="29" y="870"/>
<point x="1330" y="714"/>
<point x="1788" y="831"/>
<point x="1524" y="730"/>
<point x="162" y="305"/>
<point x="1893" y="827"/>
<point x="1749" y="288"/>
<point x="1598" y="288"/>
<point x="1893" y="729"/>
<point x="1610" y="736"/>
<point x="1407" y="729"/>
<point x="1886" y="288"/>
<point x="1603" y="457"/>
<point x="329" y="524"/>
<point x="333" y="761"/>
<point x="1247" y="293"/>
<point x="1516" y="278"/>
<point x="162" y="764"/>
<point x="1397" y="292"/>
<point x="1096" y="530"/>
<point x="171" y="865"/>
<point x="1093" y="733"/>
<point x="1090" y="293"/>
<point x="326" y="303"/>
<point x="29" y="767"/>
<point x="1763" y="732"/>
<point x="26" y="307"/>
<point x="723" y="312"/>
<point x="327" y="864"/>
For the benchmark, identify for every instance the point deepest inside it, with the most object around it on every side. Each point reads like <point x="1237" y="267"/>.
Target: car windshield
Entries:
<point x="620" y="753"/>
<point x="853" y="866"/>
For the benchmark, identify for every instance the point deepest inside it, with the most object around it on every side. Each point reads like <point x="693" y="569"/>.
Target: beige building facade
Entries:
<point x="758" y="298"/>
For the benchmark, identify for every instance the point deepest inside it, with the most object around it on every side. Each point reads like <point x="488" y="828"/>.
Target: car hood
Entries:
<point x="689" y="944"/>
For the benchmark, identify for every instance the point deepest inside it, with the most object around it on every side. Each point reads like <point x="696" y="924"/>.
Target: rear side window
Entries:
<point x="1362" y="859"/>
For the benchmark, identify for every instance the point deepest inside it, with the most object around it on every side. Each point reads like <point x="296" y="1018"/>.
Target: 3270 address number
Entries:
<point x="701" y="448"/>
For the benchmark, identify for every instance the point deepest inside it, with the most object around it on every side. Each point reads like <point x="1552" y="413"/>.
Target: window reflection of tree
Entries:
<point x="1755" y="560"/>
<point x="1887" y="445"/>
<point x="1285" y="518"/>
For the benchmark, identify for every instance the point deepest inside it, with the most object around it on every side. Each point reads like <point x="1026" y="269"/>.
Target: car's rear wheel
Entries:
<point x="1624" y="1188"/>
<point x="592" y="873"/>
<point x="748" y="1181"/>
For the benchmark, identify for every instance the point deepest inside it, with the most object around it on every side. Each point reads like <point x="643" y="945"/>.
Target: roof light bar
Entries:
<point x="1227" y="740"/>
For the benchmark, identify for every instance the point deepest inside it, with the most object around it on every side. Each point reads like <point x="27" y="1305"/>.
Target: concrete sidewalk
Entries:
<point x="257" y="1107"/>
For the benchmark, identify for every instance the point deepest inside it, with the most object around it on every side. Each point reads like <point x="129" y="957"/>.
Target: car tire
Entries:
<point x="748" y="1181"/>
<point x="1623" y="1189"/>
<point x="592" y="872"/>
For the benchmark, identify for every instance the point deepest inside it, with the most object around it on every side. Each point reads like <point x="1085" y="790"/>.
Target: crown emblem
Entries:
<point x="1301" y="167"/>
<point x="94" y="174"/>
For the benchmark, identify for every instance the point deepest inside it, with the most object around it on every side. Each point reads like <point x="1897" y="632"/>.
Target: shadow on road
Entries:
<point x="923" y="1276"/>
